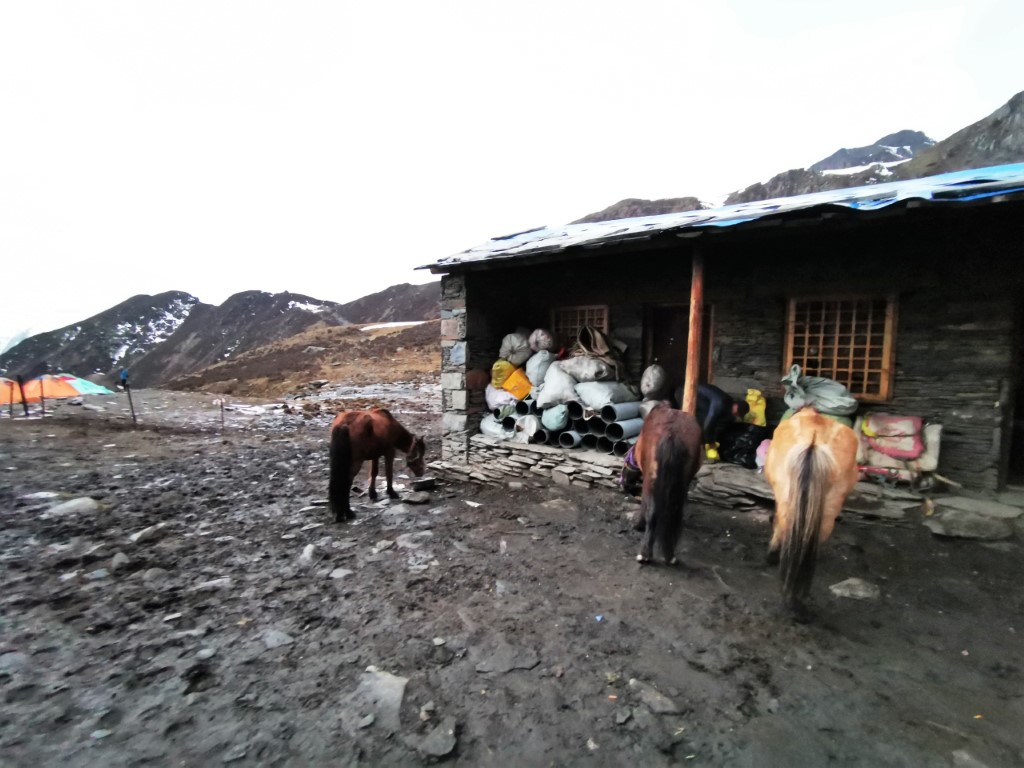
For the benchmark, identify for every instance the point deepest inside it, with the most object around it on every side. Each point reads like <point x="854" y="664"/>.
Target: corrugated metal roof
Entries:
<point x="958" y="186"/>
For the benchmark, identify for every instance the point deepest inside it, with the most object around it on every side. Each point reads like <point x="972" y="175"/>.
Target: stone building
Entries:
<point x="910" y="293"/>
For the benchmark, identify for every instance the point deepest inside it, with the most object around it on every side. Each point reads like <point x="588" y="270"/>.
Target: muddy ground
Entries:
<point x="484" y="627"/>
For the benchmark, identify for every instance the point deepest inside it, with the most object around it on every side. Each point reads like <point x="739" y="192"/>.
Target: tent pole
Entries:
<point x="21" y="389"/>
<point x="128" y="389"/>
<point x="693" y="347"/>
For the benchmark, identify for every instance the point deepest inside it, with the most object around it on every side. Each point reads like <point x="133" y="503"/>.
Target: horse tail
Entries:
<point x="340" y="471"/>
<point x="806" y="501"/>
<point x="669" y="494"/>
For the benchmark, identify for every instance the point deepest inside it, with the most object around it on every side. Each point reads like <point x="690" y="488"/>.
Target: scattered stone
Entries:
<point x="502" y="657"/>
<point x="981" y="507"/>
<point x="411" y="540"/>
<point x="152" y="574"/>
<point x="968" y="525"/>
<point x="382" y="546"/>
<point x="312" y="508"/>
<point x="367" y="721"/>
<point x="40" y="496"/>
<point x="80" y="506"/>
<point x="234" y="754"/>
<point x="275" y="638"/>
<point x="12" y="660"/>
<point x="423" y="484"/>
<point x="311" y="526"/>
<point x="213" y="584"/>
<point x="472" y="503"/>
<point x="341" y="573"/>
<point x="441" y="741"/>
<point x="319" y="502"/>
<point x="623" y="715"/>
<point x="99" y="573"/>
<point x="427" y="711"/>
<point x="657" y="702"/>
<point x="964" y="759"/>
<point x="515" y="485"/>
<point x="205" y="653"/>
<point x="68" y="576"/>
<point x="417" y="497"/>
<point x="379" y="693"/>
<point x="306" y="558"/>
<point x="151" y="533"/>
<point x="439" y="641"/>
<point x="99" y="733"/>
<point x="171" y="617"/>
<point x="855" y="588"/>
<point x="592" y="745"/>
<point x="120" y="560"/>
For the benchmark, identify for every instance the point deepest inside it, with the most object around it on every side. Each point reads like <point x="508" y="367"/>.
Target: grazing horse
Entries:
<point x="358" y="436"/>
<point x="812" y="467"/>
<point x="668" y="453"/>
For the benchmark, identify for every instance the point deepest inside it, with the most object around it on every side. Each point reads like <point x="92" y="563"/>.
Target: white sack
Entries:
<point x="654" y="382"/>
<point x="559" y="387"/>
<point x="584" y="368"/>
<point x="498" y="397"/>
<point x="491" y="427"/>
<point x="537" y="366"/>
<point x="597" y="394"/>
<point x="542" y="339"/>
<point x="515" y="348"/>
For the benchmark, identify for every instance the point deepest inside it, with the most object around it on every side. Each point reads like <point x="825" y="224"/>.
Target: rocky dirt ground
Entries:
<point x="195" y="604"/>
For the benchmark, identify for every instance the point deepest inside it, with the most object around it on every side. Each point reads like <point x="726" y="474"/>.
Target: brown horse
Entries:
<point x="668" y="453"/>
<point x="812" y="467"/>
<point x="358" y="436"/>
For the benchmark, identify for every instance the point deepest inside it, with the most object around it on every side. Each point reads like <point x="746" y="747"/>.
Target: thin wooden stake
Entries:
<point x="128" y="389"/>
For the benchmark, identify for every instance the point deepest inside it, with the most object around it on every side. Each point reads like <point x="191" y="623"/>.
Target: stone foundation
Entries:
<point x="491" y="461"/>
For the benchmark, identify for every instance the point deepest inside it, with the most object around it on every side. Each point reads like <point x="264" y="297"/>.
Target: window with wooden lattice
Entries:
<point x="851" y="340"/>
<point x="567" y="321"/>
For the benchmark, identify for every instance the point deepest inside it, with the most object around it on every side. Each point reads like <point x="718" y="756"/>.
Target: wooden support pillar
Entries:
<point x="693" y="350"/>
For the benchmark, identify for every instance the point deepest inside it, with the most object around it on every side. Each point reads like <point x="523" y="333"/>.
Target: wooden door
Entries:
<point x="667" y="329"/>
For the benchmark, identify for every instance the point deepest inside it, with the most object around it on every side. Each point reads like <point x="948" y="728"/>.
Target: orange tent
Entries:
<point x="49" y="388"/>
<point x="9" y="392"/>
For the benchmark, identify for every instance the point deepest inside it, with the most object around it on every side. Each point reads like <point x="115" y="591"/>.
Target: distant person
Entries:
<point x="124" y="379"/>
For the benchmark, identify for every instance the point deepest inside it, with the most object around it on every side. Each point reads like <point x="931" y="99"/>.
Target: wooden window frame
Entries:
<point x="887" y="359"/>
<point x="586" y="311"/>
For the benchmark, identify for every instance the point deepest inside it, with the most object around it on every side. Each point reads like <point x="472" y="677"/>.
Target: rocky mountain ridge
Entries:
<point x="906" y="154"/>
<point x="173" y="335"/>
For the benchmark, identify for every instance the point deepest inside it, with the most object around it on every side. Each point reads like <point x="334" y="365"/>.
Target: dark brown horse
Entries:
<point x="668" y="453"/>
<point x="358" y="436"/>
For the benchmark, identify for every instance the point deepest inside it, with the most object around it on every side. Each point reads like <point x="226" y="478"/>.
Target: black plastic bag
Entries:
<point x="738" y="444"/>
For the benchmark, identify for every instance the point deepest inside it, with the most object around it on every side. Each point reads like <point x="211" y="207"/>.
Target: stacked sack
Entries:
<point x="535" y="397"/>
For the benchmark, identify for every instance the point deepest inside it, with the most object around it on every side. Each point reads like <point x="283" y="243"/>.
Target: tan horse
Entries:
<point x="358" y="436"/>
<point x="812" y="467"/>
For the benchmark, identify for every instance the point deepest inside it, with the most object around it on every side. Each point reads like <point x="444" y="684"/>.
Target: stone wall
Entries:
<point x="496" y="462"/>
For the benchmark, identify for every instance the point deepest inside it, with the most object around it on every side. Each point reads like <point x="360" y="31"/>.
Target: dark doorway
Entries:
<point x="667" y="335"/>
<point x="1015" y="464"/>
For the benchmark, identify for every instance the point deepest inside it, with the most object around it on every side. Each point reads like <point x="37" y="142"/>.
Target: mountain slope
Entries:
<point x="102" y="343"/>
<point x="245" y="321"/>
<point x="993" y="140"/>
<point x="396" y="304"/>
<point x="633" y="207"/>
<point x="893" y="148"/>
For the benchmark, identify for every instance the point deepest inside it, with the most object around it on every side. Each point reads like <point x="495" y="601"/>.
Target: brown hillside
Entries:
<point x="339" y="354"/>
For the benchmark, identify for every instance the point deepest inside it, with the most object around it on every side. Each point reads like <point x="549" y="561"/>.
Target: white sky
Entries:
<point x="327" y="148"/>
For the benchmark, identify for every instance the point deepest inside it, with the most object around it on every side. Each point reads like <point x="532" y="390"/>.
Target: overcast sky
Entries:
<point x="328" y="148"/>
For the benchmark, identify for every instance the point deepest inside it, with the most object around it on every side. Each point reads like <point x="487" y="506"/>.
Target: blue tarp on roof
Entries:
<point x="959" y="186"/>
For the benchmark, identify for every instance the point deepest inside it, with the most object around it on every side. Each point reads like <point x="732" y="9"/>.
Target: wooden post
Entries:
<point x="128" y="389"/>
<point x="10" y="399"/>
<point x="222" y="414"/>
<point x="21" y="389"/>
<point x="693" y="350"/>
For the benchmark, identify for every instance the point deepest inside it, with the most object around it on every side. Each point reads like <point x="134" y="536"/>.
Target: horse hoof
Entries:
<point x="393" y="494"/>
<point x="643" y="560"/>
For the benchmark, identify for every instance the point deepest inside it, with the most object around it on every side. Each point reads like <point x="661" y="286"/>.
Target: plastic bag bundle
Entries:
<point x="537" y="365"/>
<point x="555" y="418"/>
<point x="654" y="382"/>
<point x="497" y="397"/>
<point x="500" y="371"/>
<point x="826" y="396"/>
<point x="586" y="368"/>
<point x="491" y="427"/>
<point x="515" y="348"/>
<point x="518" y="384"/>
<point x="598" y="394"/>
<point x="542" y="339"/>
<point x="559" y="387"/>
<point x="526" y="427"/>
